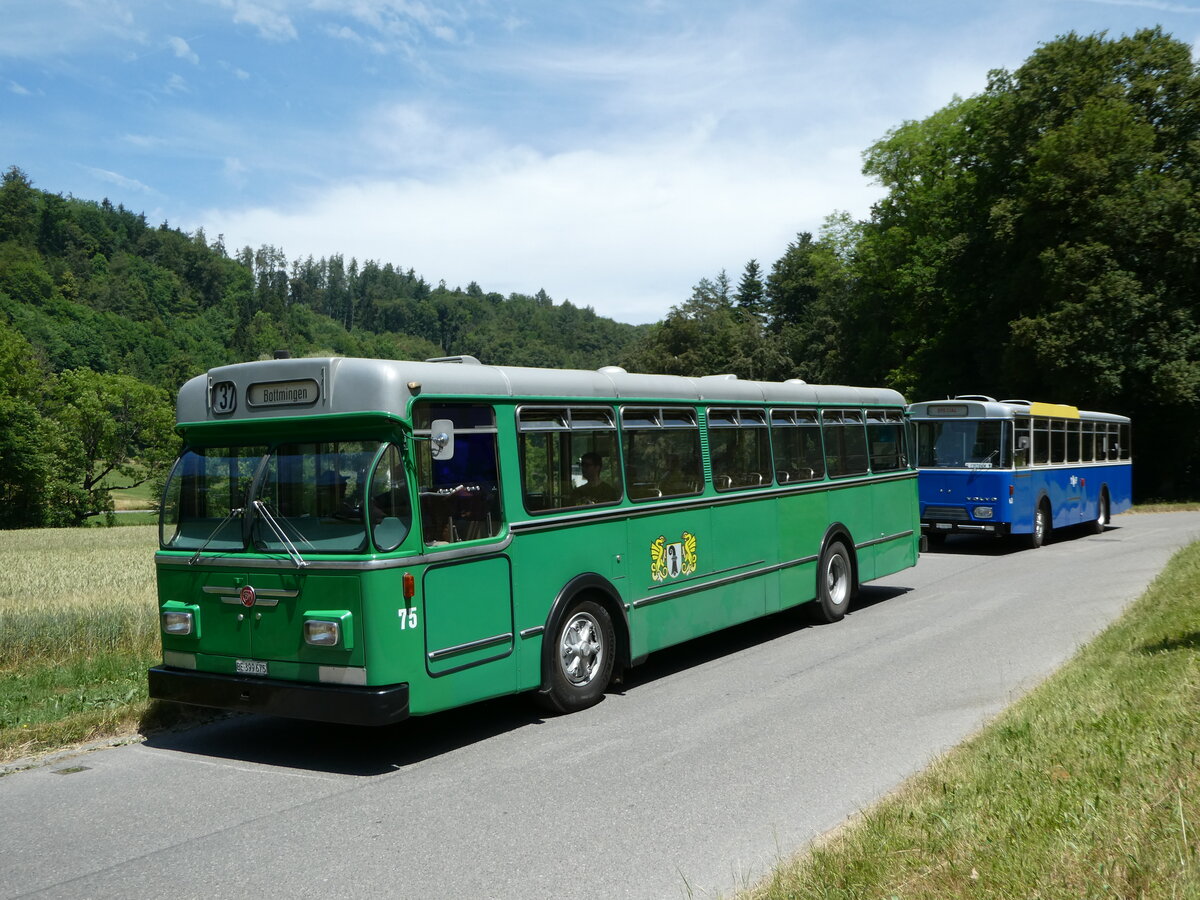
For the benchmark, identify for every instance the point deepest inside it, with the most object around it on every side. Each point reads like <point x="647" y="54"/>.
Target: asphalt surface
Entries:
<point x="713" y="761"/>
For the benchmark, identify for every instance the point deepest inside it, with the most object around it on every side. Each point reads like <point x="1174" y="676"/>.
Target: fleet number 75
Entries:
<point x="408" y="618"/>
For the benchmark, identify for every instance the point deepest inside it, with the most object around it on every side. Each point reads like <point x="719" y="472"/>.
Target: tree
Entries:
<point x="751" y="294"/>
<point x="113" y="425"/>
<point x="1042" y="240"/>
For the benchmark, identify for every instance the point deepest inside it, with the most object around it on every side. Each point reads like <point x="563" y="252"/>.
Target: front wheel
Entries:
<point x="1041" y="526"/>
<point x="581" y="660"/>
<point x="835" y="583"/>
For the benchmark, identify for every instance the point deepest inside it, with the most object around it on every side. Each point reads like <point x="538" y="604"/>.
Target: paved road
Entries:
<point x="717" y="758"/>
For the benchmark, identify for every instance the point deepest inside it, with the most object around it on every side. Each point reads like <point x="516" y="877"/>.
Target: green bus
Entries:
<point x="360" y="540"/>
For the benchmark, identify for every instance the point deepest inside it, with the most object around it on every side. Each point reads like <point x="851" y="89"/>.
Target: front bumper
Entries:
<point x="340" y="704"/>
<point x="999" y="529"/>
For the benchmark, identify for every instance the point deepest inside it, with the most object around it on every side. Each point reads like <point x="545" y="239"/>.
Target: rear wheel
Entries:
<point x="1102" y="514"/>
<point x="1041" y="526"/>
<point x="581" y="660"/>
<point x="835" y="583"/>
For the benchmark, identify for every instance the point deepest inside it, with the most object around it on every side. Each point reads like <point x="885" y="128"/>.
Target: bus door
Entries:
<point x="467" y="592"/>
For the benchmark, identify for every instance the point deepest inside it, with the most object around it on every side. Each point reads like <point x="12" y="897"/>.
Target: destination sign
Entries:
<point x="304" y="392"/>
<point x="948" y="409"/>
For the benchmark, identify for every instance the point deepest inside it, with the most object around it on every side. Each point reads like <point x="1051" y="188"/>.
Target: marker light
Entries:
<point x="322" y="634"/>
<point x="983" y="512"/>
<point x="177" y="623"/>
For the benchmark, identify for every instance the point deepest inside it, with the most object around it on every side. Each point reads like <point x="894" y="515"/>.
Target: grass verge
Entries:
<point x="1087" y="787"/>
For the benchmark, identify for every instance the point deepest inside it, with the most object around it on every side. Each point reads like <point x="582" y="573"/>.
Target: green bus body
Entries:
<point x="260" y="614"/>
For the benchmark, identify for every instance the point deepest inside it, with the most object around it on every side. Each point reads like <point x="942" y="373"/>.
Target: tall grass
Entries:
<point x="79" y="623"/>
<point x="1088" y="787"/>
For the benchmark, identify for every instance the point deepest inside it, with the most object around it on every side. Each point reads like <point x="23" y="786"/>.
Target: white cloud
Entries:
<point x="18" y="89"/>
<point x="625" y="233"/>
<point x="182" y="50"/>
<point x="268" y="18"/>
<point x="119" y="180"/>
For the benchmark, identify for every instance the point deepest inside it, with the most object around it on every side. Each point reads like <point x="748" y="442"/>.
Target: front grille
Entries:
<point x="949" y="513"/>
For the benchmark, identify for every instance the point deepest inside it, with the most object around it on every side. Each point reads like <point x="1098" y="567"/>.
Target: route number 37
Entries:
<point x="408" y="619"/>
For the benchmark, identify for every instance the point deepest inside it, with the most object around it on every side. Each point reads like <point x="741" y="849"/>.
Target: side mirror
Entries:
<point x="441" y="440"/>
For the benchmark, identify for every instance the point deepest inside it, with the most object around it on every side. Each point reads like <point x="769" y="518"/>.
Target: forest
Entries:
<point x="1038" y="240"/>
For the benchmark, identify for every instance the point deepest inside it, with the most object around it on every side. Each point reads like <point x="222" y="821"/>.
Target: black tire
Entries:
<point x="580" y="660"/>
<point x="1102" y="514"/>
<point x="835" y="584"/>
<point x="1041" y="527"/>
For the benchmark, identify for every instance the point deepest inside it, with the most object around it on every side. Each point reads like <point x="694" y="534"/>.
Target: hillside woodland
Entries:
<point x="1038" y="240"/>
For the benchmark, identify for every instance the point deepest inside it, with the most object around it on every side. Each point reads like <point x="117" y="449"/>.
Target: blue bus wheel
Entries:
<point x="1102" y="514"/>
<point x="1041" y="526"/>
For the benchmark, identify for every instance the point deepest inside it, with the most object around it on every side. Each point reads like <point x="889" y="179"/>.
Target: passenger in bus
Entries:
<point x="594" y="489"/>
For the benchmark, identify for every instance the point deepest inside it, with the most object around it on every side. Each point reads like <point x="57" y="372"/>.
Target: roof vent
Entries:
<point x="984" y="397"/>
<point x="795" y="381"/>
<point x="461" y="360"/>
<point x="1017" y="402"/>
<point x="612" y="370"/>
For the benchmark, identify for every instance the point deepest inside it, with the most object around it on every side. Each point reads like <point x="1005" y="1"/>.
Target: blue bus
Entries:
<point x="1018" y="467"/>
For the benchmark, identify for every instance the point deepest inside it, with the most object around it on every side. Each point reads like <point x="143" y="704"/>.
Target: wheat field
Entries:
<point x="69" y="592"/>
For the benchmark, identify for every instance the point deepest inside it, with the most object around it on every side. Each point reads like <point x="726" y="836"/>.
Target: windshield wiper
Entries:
<point x="208" y="540"/>
<point x="279" y="533"/>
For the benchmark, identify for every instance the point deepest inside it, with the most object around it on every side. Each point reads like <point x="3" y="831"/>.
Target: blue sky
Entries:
<point x="612" y="153"/>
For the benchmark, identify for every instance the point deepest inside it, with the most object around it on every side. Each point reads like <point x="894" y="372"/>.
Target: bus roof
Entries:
<point x="977" y="406"/>
<point x="298" y="387"/>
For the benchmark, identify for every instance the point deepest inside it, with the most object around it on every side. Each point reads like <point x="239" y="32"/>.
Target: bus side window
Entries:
<point x="739" y="448"/>
<point x="568" y="457"/>
<point x="796" y="443"/>
<point x="885" y="431"/>
<point x="845" y="442"/>
<point x="661" y="446"/>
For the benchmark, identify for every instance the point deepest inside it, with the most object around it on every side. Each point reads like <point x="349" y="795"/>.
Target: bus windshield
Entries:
<point x="316" y="496"/>
<point x="963" y="443"/>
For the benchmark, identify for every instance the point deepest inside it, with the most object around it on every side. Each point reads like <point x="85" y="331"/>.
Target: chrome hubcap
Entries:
<point x="581" y="651"/>
<point x="837" y="584"/>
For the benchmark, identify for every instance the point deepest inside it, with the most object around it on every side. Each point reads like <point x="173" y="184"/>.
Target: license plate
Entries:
<point x="250" y="667"/>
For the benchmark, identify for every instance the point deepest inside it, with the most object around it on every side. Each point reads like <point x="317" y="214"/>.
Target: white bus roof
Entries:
<point x="977" y="406"/>
<point x="297" y="387"/>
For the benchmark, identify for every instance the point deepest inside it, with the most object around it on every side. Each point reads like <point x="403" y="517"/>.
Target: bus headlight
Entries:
<point x="322" y="634"/>
<point x="983" y="512"/>
<point x="176" y="622"/>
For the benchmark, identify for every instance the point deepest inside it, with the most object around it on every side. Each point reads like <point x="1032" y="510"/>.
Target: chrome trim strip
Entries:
<point x="236" y="591"/>
<point x="674" y="581"/>
<point x="480" y="644"/>
<point x="883" y="540"/>
<point x="345" y="565"/>
<point x="237" y="601"/>
<point x="532" y="632"/>
<point x="721" y="582"/>
<point x="179" y="660"/>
